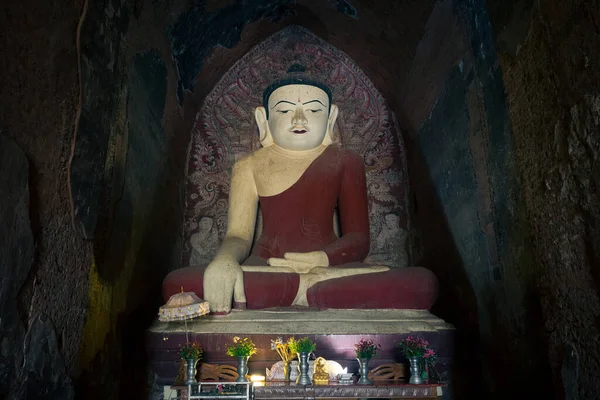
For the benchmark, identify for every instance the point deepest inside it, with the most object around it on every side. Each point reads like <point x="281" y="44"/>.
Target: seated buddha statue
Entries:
<point x="300" y="178"/>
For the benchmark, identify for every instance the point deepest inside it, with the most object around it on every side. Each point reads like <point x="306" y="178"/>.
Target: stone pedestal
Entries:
<point x="335" y="333"/>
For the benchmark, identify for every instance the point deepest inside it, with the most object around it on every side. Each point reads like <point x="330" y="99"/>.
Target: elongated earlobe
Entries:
<point x="264" y="133"/>
<point x="333" y="114"/>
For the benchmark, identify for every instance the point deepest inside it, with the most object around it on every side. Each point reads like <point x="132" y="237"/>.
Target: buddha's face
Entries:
<point x="298" y="116"/>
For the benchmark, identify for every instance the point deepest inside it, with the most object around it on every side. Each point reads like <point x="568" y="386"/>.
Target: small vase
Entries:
<point x="415" y="371"/>
<point x="242" y="369"/>
<point x="191" y="371"/>
<point x="286" y="371"/>
<point x="303" y="378"/>
<point x="363" y="370"/>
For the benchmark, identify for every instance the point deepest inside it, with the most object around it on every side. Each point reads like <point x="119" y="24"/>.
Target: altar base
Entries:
<point x="335" y="333"/>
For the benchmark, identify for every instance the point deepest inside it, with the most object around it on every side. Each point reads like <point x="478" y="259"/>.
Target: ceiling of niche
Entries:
<point x="380" y="36"/>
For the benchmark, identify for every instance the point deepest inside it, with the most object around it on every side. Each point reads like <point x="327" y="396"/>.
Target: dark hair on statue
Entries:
<point x="295" y="75"/>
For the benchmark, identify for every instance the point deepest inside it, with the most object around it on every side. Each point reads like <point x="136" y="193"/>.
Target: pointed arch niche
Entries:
<point x="224" y="130"/>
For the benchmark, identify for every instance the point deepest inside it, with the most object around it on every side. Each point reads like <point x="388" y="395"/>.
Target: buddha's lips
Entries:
<point x="299" y="131"/>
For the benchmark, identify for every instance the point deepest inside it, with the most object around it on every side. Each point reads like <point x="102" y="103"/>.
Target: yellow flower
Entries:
<point x="241" y="347"/>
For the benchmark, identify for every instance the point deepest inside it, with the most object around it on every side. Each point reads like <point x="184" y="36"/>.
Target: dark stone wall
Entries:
<point x="43" y="374"/>
<point x="104" y="23"/>
<point x="38" y="102"/>
<point x="16" y="256"/>
<point x="468" y="208"/>
<point x="75" y="301"/>
<point x="504" y="170"/>
<point x="548" y="55"/>
<point x="134" y="217"/>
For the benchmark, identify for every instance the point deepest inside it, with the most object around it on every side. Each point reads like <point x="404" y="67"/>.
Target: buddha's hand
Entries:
<point x="301" y="263"/>
<point x="223" y="279"/>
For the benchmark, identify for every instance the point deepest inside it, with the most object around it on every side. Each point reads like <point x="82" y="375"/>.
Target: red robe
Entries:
<point x="300" y="219"/>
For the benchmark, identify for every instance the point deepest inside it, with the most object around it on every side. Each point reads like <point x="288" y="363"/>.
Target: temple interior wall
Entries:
<point x="499" y="103"/>
<point x="467" y="204"/>
<point x="548" y="57"/>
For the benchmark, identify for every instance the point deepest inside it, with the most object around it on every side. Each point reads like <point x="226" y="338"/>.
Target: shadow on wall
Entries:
<point x="500" y="344"/>
<point x="468" y="210"/>
<point x="142" y="230"/>
<point x="512" y="363"/>
<point x="456" y="300"/>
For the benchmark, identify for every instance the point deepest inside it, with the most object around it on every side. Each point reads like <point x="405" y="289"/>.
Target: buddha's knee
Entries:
<point x="188" y="279"/>
<point x="414" y="288"/>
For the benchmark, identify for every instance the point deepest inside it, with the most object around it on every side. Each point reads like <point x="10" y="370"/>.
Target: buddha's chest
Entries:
<point x="276" y="175"/>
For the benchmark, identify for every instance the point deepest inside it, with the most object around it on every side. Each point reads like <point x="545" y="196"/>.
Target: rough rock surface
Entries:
<point x="551" y="70"/>
<point x="43" y="375"/>
<point x="105" y="24"/>
<point x="505" y="177"/>
<point x="38" y="104"/>
<point x="16" y="256"/>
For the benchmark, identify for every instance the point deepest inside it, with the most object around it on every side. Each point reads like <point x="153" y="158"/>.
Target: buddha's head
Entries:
<point x="297" y="112"/>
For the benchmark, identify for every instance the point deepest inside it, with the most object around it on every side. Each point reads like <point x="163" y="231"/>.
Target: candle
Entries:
<point x="257" y="380"/>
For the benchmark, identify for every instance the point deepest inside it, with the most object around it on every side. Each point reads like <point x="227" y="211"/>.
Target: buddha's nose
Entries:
<point x="299" y="118"/>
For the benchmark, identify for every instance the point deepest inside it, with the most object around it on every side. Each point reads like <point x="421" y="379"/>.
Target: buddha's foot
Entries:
<point x="320" y="274"/>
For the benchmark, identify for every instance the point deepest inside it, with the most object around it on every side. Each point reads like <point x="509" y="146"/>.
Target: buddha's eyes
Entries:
<point x="314" y="111"/>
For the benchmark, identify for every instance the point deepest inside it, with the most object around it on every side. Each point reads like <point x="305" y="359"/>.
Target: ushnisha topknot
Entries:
<point x="295" y="75"/>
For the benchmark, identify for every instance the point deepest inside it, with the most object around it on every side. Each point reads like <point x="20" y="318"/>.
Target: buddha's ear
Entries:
<point x="264" y="133"/>
<point x="333" y="114"/>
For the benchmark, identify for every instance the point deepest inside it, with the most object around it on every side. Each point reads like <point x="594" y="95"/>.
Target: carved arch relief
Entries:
<point x="224" y="131"/>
